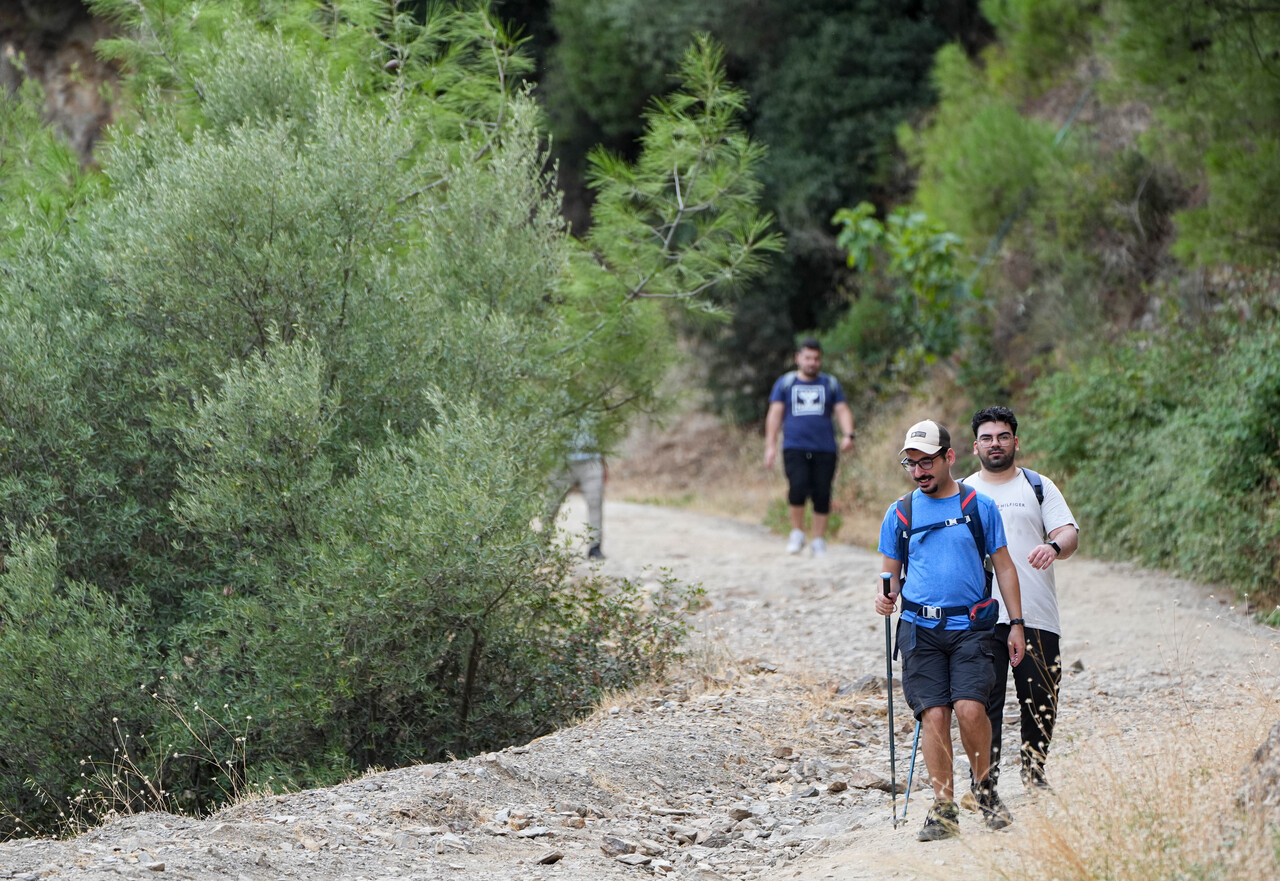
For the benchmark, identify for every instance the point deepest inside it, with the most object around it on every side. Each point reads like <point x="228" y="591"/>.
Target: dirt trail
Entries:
<point x="760" y="764"/>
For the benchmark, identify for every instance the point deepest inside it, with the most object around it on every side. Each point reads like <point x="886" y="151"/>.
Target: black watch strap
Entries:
<point x="1057" y="549"/>
<point x="1013" y="621"/>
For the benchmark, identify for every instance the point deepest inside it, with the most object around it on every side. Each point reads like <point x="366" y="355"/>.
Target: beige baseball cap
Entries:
<point x="927" y="437"/>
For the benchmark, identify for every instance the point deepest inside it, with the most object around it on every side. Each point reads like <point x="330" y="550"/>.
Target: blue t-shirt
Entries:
<point x="806" y="421"/>
<point x="944" y="568"/>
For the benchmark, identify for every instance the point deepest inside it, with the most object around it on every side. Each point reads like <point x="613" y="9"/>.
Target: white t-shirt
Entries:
<point x="1026" y="524"/>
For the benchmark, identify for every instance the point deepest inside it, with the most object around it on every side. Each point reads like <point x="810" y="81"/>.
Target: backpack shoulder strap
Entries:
<point x="903" y="513"/>
<point x="972" y="515"/>
<point x="788" y="380"/>
<point x="969" y="508"/>
<point x="1037" y="484"/>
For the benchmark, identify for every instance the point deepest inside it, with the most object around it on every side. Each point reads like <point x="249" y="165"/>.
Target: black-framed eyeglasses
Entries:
<point x="1002" y="439"/>
<point x="925" y="464"/>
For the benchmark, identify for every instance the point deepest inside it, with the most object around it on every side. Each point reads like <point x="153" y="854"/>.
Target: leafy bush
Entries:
<point x="829" y="81"/>
<point x="916" y="306"/>
<point x="1039" y="40"/>
<point x="1170" y="447"/>
<point x="1208" y="71"/>
<point x="286" y="394"/>
<point x="40" y="176"/>
<point x="70" y="661"/>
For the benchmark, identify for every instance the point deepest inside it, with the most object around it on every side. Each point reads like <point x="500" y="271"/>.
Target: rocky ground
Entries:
<point x="767" y="759"/>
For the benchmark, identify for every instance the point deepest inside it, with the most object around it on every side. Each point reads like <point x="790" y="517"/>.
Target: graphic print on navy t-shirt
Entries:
<point x="808" y="400"/>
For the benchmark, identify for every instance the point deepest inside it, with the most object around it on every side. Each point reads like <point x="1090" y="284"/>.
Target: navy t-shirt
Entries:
<point x="806" y="423"/>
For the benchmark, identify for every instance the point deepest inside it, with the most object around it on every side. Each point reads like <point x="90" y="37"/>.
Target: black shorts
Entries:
<point x="945" y="666"/>
<point x="810" y="474"/>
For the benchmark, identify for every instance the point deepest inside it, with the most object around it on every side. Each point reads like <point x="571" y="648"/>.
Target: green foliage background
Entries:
<point x="284" y="383"/>
<point x="1107" y="166"/>
<point x="829" y="82"/>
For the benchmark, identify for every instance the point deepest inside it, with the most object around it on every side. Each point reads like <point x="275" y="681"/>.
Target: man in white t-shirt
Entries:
<point x="1039" y="533"/>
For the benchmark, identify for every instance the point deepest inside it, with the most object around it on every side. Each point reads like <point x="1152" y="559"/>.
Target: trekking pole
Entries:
<point x="911" y="772"/>
<point x="885" y="578"/>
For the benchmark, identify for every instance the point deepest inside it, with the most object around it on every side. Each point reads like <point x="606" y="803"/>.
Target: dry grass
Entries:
<point x="1162" y="805"/>
<point x="698" y="463"/>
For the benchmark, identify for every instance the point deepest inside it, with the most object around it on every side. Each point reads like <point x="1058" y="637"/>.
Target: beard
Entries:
<point x="1003" y="463"/>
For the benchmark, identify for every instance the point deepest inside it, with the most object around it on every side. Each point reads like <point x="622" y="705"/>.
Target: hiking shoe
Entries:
<point x="595" y="553"/>
<point x="1033" y="781"/>
<point x="994" y="813"/>
<point x="943" y="821"/>
<point x="796" y="542"/>
<point x="818" y="547"/>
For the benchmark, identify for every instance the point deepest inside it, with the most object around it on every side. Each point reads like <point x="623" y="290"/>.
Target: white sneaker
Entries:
<point x="796" y="542"/>
<point x="818" y="547"/>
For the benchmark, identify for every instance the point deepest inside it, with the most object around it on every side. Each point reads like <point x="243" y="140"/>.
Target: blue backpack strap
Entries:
<point x="1037" y="484"/>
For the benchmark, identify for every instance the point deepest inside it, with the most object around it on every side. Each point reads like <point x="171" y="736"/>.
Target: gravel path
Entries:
<point x="767" y="759"/>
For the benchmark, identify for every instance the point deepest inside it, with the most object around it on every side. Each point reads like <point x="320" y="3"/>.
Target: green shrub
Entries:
<point x="1169" y="447"/>
<point x="71" y="661"/>
<point x="287" y="392"/>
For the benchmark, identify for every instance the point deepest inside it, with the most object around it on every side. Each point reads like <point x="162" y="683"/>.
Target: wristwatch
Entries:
<point x="1057" y="549"/>
<point x="1013" y="621"/>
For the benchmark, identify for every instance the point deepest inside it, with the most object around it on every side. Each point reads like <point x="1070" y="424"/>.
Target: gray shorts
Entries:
<point x="945" y="666"/>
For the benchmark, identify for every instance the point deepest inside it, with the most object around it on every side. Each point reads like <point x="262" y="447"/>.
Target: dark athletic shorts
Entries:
<point x="946" y="666"/>
<point x="810" y="474"/>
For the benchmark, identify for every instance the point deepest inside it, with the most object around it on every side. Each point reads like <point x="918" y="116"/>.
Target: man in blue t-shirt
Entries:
<point x="946" y="665"/>
<point x="801" y="406"/>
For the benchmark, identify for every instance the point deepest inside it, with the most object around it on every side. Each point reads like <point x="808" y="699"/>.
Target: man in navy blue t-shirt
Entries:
<point x="946" y="658"/>
<point x="801" y="406"/>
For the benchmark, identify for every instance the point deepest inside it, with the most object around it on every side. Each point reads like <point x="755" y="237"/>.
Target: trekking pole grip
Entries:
<point x="885" y="578"/>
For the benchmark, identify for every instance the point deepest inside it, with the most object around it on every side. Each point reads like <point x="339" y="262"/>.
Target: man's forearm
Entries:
<point x="1068" y="538"/>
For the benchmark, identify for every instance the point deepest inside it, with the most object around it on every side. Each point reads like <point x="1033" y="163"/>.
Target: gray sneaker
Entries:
<point x="943" y="821"/>
<point x="796" y="541"/>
